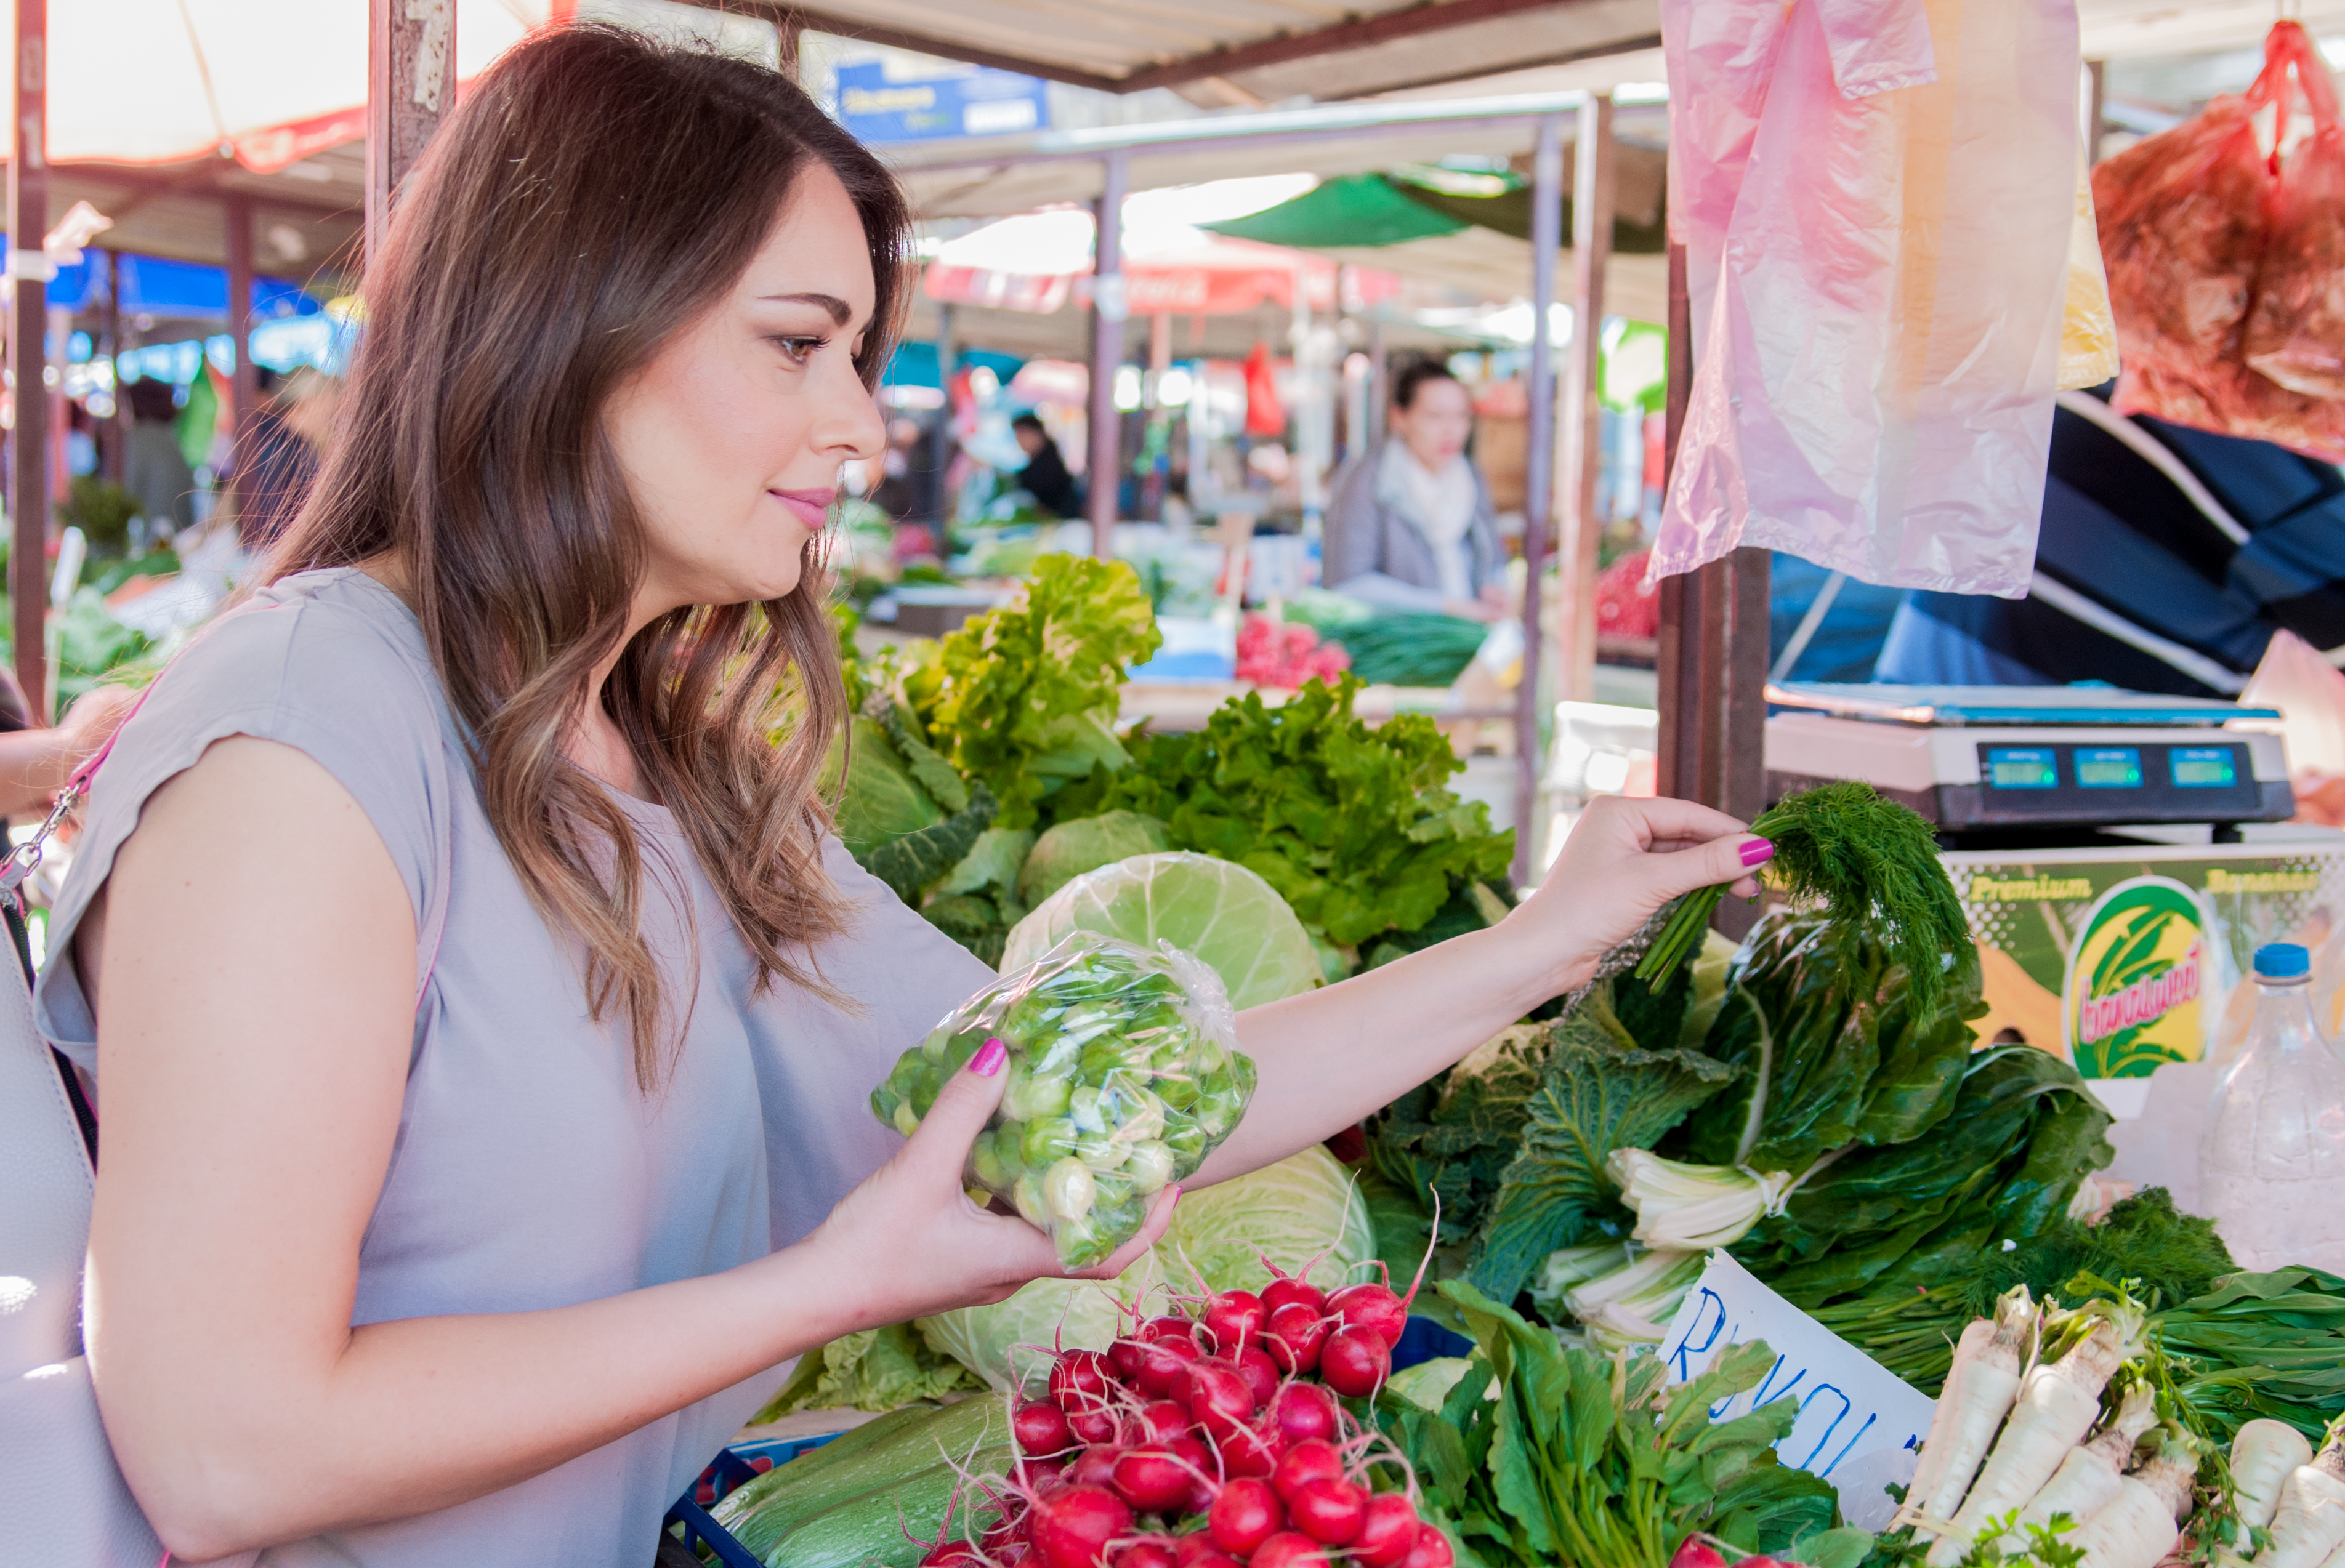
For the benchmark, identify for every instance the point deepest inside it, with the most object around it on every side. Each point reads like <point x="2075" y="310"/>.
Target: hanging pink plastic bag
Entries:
<point x="1873" y="383"/>
<point x="2222" y="253"/>
<point x="2296" y="331"/>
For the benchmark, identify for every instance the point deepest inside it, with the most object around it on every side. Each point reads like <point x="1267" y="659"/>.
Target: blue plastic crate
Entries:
<point x="733" y="1466"/>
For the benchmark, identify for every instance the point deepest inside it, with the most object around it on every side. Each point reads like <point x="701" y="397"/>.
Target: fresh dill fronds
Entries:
<point x="1868" y="862"/>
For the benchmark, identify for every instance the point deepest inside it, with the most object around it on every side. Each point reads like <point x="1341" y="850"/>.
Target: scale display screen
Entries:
<point x="2118" y="768"/>
<point x="2118" y="780"/>
<point x="2202" y="768"/>
<point x="2023" y="767"/>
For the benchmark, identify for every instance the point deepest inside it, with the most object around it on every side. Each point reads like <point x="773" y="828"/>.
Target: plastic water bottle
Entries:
<point x="2272" y="1162"/>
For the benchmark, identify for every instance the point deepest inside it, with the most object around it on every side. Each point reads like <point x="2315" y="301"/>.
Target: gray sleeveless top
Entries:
<point x="529" y="1171"/>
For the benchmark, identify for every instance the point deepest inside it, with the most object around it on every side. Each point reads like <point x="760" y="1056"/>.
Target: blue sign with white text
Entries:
<point x="881" y="101"/>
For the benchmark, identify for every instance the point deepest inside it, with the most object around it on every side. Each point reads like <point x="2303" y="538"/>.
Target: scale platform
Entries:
<point x="1987" y="759"/>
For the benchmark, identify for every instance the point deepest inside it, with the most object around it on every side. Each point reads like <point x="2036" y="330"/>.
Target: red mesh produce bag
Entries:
<point x="2296" y="329"/>
<point x="2190" y="221"/>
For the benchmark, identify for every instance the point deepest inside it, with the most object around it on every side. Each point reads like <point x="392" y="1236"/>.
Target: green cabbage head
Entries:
<point x="1300" y="1209"/>
<point x="1216" y="909"/>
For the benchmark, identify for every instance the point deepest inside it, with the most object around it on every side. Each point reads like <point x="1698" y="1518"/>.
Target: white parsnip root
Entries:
<point x="2140" y="1525"/>
<point x="2262" y="1456"/>
<point x="2058" y="1402"/>
<point x="2308" y="1528"/>
<point x="1989" y="1358"/>
<point x="2092" y="1476"/>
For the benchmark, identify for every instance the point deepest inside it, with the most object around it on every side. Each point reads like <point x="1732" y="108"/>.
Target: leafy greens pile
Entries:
<point x="1025" y="698"/>
<point x="1350" y="824"/>
<point x="1806" y="1105"/>
<point x="983" y="775"/>
<point x="1589" y="1460"/>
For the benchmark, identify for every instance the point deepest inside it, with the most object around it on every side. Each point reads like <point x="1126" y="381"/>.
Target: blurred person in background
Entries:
<point x="35" y="761"/>
<point x="906" y="486"/>
<point x="1412" y="526"/>
<point x="1045" y="475"/>
<point x="276" y="460"/>
<point x="155" y="469"/>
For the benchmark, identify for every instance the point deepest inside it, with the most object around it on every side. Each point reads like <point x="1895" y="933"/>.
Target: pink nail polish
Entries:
<point x="1757" y="850"/>
<point x="988" y="1058"/>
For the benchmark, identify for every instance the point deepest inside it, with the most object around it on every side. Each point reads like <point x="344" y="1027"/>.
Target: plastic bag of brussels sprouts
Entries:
<point x="1124" y="1074"/>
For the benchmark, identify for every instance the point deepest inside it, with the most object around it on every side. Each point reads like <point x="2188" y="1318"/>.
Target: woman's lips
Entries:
<point x="813" y="506"/>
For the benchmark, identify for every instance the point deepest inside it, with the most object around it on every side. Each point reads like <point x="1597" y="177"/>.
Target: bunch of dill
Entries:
<point x="1867" y="861"/>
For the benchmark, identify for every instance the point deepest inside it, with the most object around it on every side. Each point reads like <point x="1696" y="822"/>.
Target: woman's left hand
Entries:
<point x="1625" y="859"/>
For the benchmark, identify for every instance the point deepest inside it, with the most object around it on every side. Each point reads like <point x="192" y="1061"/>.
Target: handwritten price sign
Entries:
<point x="1859" y="1424"/>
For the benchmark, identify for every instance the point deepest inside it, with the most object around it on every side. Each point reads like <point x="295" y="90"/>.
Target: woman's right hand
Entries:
<point x="910" y="1242"/>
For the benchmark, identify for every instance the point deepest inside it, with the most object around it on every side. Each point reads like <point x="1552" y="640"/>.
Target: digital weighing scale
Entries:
<point x="2119" y="855"/>
<point x="2003" y="761"/>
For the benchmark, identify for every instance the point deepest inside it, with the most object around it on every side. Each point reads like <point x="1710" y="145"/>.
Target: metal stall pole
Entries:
<point x="1110" y="306"/>
<point x="1712" y="656"/>
<point x="115" y="432"/>
<point x="411" y="84"/>
<point x="940" y="445"/>
<point x="1547" y="236"/>
<point x="244" y="381"/>
<point x="1379" y="383"/>
<point x="1583" y="404"/>
<point x="28" y="319"/>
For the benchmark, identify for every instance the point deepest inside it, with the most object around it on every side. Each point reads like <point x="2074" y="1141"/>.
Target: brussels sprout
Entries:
<point x="1115" y="1086"/>
<point x="1034" y="1098"/>
<point x="1047" y="1142"/>
<point x="1148" y="1165"/>
<point x="1102" y="1150"/>
<point x="1069" y="1188"/>
<point x="987" y="1163"/>
<point x="1028" y="1197"/>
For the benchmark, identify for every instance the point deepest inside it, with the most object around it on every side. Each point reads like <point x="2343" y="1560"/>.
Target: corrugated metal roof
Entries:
<point x="1232" y="52"/>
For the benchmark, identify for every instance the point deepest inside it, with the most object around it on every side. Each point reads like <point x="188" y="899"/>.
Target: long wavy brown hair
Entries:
<point x="591" y="193"/>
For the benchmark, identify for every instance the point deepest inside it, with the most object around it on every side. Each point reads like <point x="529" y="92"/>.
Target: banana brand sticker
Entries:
<point x="2135" y="980"/>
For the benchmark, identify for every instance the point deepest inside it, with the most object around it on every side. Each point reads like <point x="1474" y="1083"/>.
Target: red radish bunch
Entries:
<point x="1213" y="1438"/>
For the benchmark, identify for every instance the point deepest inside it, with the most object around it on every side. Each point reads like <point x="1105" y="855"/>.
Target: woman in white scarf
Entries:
<point x="1411" y="527"/>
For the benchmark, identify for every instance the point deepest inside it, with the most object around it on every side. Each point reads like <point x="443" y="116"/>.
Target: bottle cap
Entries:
<point x="2282" y="961"/>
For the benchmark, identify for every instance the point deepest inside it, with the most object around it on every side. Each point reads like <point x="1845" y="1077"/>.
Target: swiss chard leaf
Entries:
<point x="1836" y="1049"/>
<point x="2003" y="1164"/>
<point x="914" y="861"/>
<point x="879" y="799"/>
<point x="1597" y="1092"/>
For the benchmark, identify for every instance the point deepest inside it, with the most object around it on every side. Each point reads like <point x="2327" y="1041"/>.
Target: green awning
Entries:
<point x="1368" y="209"/>
<point x="1510" y="213"/>
<point x="1352" y="209"/>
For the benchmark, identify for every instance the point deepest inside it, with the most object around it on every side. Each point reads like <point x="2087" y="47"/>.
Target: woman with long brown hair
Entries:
<point x="479" y="1012"/>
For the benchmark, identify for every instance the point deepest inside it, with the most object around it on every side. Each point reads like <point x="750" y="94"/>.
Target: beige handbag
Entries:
<point x="63" y="1500"/>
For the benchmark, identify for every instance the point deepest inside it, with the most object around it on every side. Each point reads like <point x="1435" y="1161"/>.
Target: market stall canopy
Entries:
<point x="267" y="82"/>
<point x="993" y="176"/>
<point x="1270" y="51"/>
<point x="1477" y="244"/>
<point x="1035" y="262"/>
<point x="1242" y="51"/>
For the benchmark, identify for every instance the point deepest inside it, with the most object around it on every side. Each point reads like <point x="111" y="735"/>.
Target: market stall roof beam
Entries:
<point x="950" y="32"/>
<point x="1316" y="122"/>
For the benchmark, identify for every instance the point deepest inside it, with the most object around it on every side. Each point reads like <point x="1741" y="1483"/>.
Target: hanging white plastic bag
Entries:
<point x="1874" y="382"/>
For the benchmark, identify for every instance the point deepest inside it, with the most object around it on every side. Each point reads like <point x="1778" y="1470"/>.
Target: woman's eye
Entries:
<point x="798" y="351"/>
